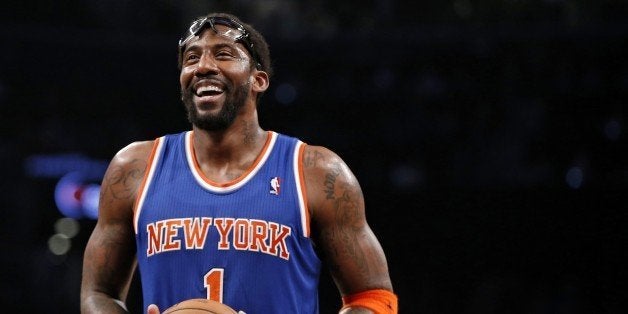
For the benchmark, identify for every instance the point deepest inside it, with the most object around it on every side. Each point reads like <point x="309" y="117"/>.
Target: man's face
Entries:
<point x="215" y="80"/>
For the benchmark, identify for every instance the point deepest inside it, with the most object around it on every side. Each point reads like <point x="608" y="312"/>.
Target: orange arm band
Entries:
<point x="379" y="301"/>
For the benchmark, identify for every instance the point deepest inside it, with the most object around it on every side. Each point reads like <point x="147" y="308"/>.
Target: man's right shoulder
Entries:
<point x="134" y="152"/>
<point x="121" y="182"/>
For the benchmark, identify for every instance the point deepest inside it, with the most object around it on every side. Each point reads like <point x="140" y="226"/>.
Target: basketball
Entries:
<point x="199" y="306"/>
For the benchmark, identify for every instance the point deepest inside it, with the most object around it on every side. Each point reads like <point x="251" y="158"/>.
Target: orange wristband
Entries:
<point x="379" y="301"/>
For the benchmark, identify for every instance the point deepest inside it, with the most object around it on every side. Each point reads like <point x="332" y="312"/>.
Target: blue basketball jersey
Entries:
<point x="244" y="243"/>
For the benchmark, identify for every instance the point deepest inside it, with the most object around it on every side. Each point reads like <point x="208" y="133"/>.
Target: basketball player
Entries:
<point x="229" y="211"/>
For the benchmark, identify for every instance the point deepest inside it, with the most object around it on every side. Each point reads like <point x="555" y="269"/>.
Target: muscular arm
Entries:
<point x="351" y="250"/>
<point x="109" y="259"/>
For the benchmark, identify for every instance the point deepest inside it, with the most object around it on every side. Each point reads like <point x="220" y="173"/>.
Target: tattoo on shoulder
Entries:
<point x="122" y="182"/>
<point x="312" y="158"/>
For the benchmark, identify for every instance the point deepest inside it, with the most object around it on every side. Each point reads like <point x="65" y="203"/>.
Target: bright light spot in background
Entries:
<point x="59" y="244"/>
<point x="612" y="130"/>
<point x="91" y="194"/>
<point x="68" y="194"/>
<point x="286" y="93"/>
<point x="574" y="177"/>
<point x="75" y="198"/>
<point x="67" y="226"/>
<point x="76" y="194"/>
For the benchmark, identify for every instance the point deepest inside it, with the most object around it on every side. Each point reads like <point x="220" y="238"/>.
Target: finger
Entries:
<point x="152" y="309"/>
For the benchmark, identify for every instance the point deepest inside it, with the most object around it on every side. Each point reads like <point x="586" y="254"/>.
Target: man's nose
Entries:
<point x="206" y="65"/>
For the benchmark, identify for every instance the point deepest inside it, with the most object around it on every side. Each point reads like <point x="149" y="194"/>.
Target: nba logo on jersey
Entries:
<point x="274" y="185"/>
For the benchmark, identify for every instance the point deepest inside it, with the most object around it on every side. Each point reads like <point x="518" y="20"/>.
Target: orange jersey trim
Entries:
<point x="246" y="175"/>
<point x="379" y="301"/>
<point x="148" y="174"/>
<point x="299" y="179"/>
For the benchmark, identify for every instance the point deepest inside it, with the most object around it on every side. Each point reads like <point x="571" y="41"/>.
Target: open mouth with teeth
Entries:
<point x="208" y="91"/>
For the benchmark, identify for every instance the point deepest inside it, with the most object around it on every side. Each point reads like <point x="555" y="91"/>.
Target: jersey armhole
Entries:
<point x="301" y="190"/>
<point x="148" y="176"/>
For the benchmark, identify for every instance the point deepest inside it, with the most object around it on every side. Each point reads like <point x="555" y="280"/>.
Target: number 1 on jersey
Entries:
<point x="213" y="284"/>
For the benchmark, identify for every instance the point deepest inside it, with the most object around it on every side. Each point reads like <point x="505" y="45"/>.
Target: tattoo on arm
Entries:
<point x="330" y="182"/>
<point x="108" y="267"/>
<point x="105" y="261"/>
<point x="350" y="249"/>
<point x="120" y="183"/>
<point x="348" y="215"/>
<point x="345" y="202"/>
<point x="312" y="158"/>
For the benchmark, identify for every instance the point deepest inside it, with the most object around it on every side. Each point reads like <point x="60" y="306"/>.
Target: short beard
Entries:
<point x="223" y="119"/>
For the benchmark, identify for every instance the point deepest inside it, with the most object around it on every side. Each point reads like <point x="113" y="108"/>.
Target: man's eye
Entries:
<point x="224" y="54"/>
<point x="191" y="57"/>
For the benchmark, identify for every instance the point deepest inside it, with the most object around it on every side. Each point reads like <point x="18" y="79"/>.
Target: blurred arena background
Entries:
<point x="489" y="137"/>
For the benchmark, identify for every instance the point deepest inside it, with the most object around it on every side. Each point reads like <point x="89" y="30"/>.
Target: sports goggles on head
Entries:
<point x="234" y="31"/>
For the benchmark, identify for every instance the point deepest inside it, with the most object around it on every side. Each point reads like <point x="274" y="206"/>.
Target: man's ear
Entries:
<point x="260" y="81"/>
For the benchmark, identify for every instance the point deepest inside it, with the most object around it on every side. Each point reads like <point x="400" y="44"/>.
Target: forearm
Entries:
<point x="101" y="303"/>
<point x="107" y="274"/>
<point x="105" y="281"/>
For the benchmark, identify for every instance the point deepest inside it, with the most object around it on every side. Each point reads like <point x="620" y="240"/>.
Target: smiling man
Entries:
<point x="228" y="211"/>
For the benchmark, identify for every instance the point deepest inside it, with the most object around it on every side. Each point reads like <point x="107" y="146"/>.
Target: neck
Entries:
<point x="225" y="155"/>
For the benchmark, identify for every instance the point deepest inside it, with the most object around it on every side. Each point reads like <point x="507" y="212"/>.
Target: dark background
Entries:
<point x="489" y="137"/>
